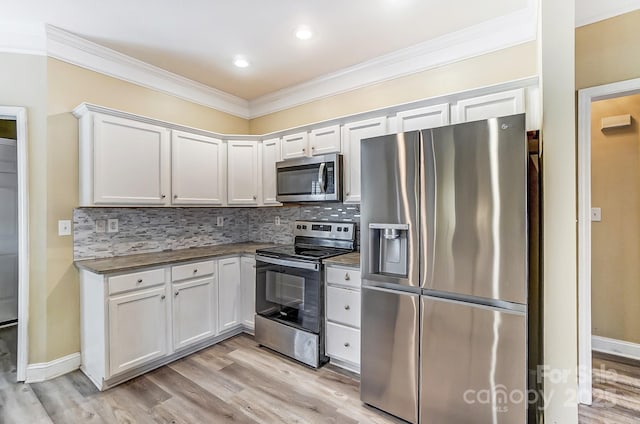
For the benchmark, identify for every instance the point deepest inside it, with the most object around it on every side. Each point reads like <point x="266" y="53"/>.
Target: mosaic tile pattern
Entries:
<point x="144" y="230"/>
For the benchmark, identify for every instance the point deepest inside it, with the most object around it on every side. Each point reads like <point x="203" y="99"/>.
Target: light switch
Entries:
<point x="64" y="227"/>
<point x="101" y="225"/>
<point x="596" y="214"/>
<point x="220" y="221"/>
<point x="277" y="220"/>
<point x="112" y="225"/>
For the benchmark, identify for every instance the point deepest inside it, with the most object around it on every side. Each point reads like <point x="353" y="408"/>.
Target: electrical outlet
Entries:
<point x="220" y="221"/>
<point x="101" y="225"/>
<point x="596" y="214"/>
<point x="64" y="227"/>
<point x="277" y="220"/>
<point x="112" y="225"/>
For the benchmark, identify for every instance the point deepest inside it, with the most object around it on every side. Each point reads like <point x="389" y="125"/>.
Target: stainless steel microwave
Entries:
<point x="314" y="179"/>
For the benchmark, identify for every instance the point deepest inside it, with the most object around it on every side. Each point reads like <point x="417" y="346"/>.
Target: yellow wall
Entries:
<point x="608" y="51"/>
<point x="23" y="83"/>
<point x="501" y="66"/>
<point x="615" y="246"/>
<point x="50" y="89"/>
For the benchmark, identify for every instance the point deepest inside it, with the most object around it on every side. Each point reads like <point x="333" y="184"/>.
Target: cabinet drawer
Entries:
<point x="343" y="343"/>
<point x="192" y="270"/>
<point x="343" y="276"/>
<point x="136" y="280"/>
<point x="343" y="306"/>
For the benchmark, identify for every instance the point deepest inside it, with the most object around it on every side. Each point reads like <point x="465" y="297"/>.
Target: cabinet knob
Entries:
<point x="304" y="150"/>
<point x="255" y="197"/>
<point x="347" y="277"/>
<point x="162" y="297"/>
<point x="346" y="344"/>
<point x="347" y="307"/>
<point x="139" y="280"/>
<point x="175" y="196"/>
<point x="313" y="147"/>
<point x="347" y="193"/>
<point x="176" y="293"/>
<point x="195" y="270"/>
<point x="163" y="196"/>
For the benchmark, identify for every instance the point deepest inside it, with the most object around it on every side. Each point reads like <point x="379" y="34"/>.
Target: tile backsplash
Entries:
<point x="142" y="230"/>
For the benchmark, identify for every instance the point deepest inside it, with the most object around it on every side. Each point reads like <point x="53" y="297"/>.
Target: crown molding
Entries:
<point x="23" y="37"/>
<point x="496" y="34"/>
<point x="78" y="51"/>
<point x="591" y="11"/>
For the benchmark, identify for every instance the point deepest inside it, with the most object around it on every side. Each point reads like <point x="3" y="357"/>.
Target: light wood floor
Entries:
<point x="238" y="382"/>
<point x="616" y="392"/>
<point x="233" y="382"/>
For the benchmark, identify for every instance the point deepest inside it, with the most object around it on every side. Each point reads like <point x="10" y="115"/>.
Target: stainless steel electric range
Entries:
<point x="290" y="289"/>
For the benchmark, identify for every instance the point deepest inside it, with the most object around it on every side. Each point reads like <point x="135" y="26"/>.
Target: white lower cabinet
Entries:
<point x="248" y="276"/>
<point x="194" y="311"/>
<point x="342" y="297"/>
<point x="133" y="322"/>
<point x="137" y="328"/>
<point x="229" y="294"/>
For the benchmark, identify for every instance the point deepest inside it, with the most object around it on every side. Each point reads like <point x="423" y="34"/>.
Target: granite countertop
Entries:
<point x="143" y="260"/>
<point x="348" y="259"/>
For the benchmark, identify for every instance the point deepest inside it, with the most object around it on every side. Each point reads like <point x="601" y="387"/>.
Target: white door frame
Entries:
<point x="585" y="97"/>
<point x="20" y="116"/>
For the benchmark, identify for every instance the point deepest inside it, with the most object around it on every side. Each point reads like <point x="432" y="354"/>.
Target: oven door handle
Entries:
<point x="285" y="262"/>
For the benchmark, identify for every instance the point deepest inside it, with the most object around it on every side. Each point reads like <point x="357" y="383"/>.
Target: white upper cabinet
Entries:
<point x="295" y="145"/>
<point x="242" y="172"/>
<point x="130" y="163"/>
<point x="325" y="140"/>
<point x="353" y="133"/>
<point x="270" y="155"/>
<point x="491" y="106"/>
<point x="198" y="173"/>
<point x="423" y="118"/>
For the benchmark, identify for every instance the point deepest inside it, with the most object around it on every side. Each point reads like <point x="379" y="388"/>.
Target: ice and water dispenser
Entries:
<point x="389" y="249"/>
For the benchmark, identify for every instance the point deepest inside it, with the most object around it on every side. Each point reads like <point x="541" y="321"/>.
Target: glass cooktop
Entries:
<point x="302" y="252"/>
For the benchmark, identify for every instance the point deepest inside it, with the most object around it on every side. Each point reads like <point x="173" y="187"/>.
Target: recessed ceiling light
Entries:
<point x="241" y="62"/>
<point x="304" y="32"/>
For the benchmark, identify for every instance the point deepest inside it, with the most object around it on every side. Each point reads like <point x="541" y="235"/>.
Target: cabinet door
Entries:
<point x="423" y="118"/>
<point x="325" y="140"/>
<point x="194" y="311"/>
<point x="295" y="145"/>
<point x="242" y="165"/>
<point x="131" y="162"/>
<point x="353" y="133"/>
<point x="270" y="155"/>
<point x="137" y="329"/>
<point x="197" y="169"/>
<point x="229" y="294"/>
<point x="491" y="106"/>
<point x="248" y="274"/>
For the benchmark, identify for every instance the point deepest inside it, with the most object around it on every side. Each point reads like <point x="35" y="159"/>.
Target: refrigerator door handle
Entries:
<point x="428" y="214"/>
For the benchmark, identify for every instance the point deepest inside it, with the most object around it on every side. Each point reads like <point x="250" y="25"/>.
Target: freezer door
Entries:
<point x="474" y="209"/>
<point x="389" y="346"/>
<point x="473" y="364"/>
<point x="389" y="227"/>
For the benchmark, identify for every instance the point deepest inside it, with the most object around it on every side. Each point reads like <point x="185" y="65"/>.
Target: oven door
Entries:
<point x="289" y="292"/>
<point x="309" y="179"/>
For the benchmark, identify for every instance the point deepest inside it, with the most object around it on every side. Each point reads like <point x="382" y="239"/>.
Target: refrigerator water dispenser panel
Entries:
<point x="390" y="249"/>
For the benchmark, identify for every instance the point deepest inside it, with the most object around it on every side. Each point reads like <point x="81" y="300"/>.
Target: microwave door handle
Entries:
<point x="321" y="180"/>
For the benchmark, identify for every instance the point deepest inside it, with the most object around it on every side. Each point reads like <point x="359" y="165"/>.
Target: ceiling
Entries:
<point x="198" y="39"/>
<point x="355" y="43"/>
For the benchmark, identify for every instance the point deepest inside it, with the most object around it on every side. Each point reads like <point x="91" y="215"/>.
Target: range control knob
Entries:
<point x="299" y="227"/>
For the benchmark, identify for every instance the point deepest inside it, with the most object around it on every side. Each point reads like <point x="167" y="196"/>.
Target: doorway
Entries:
<point x="14" y="244"/>
<point x="605" y="176"/>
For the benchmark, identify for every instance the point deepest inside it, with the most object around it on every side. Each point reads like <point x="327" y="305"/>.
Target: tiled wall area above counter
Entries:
<point x="142" y="230"/>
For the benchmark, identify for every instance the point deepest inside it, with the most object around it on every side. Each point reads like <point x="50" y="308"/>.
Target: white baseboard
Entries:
<point x="48" y="370"/>
<point x="616" y="347"/>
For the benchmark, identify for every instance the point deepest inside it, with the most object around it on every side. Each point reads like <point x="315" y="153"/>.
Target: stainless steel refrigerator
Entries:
<point x="450" y="315"/>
